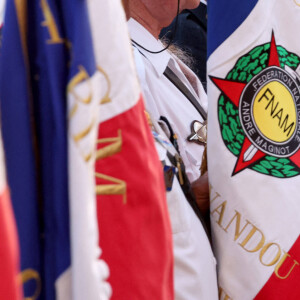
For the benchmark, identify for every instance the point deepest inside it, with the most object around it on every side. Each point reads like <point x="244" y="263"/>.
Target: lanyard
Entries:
<point x="185" y="91"/>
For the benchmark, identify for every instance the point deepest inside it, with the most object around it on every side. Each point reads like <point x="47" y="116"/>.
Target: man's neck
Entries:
<point x="142" y="15"/>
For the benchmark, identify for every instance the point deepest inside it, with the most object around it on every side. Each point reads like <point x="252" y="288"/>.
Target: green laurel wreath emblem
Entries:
<point x="232" y="132"/>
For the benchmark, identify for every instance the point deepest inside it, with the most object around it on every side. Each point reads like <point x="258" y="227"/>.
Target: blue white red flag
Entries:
<point x="254" y="146"/>
<point x="134" y="226"/>
<point x="67" y="70"/>
<point x="46" y="48"/>
<point x="18" y="141"/>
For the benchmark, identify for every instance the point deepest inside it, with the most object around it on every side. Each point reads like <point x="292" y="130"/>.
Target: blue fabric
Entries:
<point x="19" y="144"/>
<point x="34" y="123"/>
<point x="224" y="17"/>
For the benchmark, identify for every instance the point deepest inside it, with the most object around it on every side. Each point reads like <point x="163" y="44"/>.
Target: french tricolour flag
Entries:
<point x="134" y="227"/>
<point x="254" y="146"/>
<point x="47" y="70"/>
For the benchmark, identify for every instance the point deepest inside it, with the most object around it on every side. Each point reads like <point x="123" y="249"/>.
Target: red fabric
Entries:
<point x="9" y="252"/>
<point x="273" y="57"/>
<point x="241" y="164"/>
<point x="289" y="288"/>
<point x="233" y="90"/>
<point x="296" y="159"/>
<point x="135" y="237"/>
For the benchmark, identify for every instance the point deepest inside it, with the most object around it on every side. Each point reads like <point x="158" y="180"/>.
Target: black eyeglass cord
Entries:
<point x="171" y="40"/>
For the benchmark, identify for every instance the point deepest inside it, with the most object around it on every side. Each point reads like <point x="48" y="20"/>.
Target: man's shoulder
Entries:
<point x="190" y="22"/>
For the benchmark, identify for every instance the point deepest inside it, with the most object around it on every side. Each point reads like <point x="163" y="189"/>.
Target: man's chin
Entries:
<point x="193" y="5"/>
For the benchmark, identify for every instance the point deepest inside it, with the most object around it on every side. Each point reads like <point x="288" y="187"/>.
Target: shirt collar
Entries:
<point x="142" y="36"/>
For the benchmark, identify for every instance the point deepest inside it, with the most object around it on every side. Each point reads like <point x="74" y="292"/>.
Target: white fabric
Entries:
<point x="88" y="276"/>
<point x="114" y="55"/>
<point x="2" y="11"/>
<point x="110" y="37"/>
<point x="112" y="52"/>
<point x="63" y="285"/>
<point x="194" y="263"/>
<point x="271" y="204"/>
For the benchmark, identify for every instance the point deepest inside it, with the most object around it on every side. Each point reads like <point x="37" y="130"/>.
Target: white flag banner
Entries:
<point x="85" y="91"/>
<point x="2" y="10"/>
<point x="253" y="147"/>
<point x="130" y="190"/>
<point x="83" y="115"/>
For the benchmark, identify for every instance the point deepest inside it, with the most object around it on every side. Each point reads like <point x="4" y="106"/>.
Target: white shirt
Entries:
<point x="164" y="99"/>
<point x="194" y="263"/>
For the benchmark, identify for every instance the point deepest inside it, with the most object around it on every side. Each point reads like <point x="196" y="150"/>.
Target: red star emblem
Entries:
<point x="233" y="90"/>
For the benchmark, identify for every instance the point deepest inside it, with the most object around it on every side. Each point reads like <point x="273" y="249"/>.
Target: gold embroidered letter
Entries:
<point x="49" y="22"/>
<point x="106" y="98"/>
<point x="30" y="274"/>
<point x="220" y="211"/>
<point x="248" y="238"/>
<point x="279" y="265"/>
<point x="216" y="196"/>
<point x="118" y="186"/>
<point x="265" y="249"/>
<point x="223" y="295"/>
<point x="79" y="77"/>
<point x="79" y="136"/>
<point x="113" y="148"/>
<point x="238" y="232"/>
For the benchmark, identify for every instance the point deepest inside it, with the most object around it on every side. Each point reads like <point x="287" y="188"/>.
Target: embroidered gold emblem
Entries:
<point x="115" y="186"/>
<point x="28" y="275"/>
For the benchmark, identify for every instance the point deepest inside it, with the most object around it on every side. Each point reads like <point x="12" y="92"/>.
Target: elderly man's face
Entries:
<point x="165" y="10"/>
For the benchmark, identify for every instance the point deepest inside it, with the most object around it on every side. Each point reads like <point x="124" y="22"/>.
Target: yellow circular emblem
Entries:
<point x="274" y="112"/>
